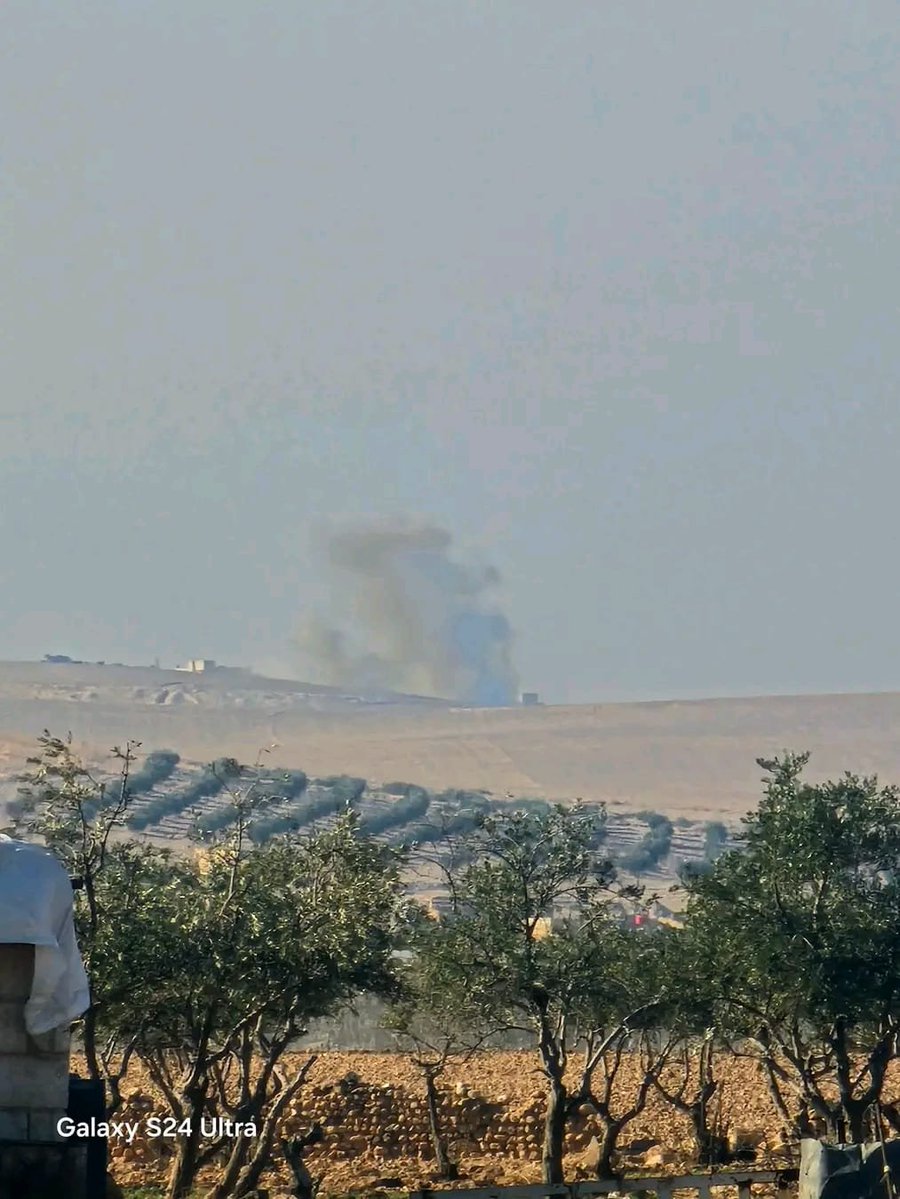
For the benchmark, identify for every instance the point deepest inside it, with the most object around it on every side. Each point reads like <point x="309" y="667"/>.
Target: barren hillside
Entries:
<point x="693" y="758"/>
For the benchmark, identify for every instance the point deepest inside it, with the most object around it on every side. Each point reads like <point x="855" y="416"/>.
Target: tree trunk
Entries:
<point x="554" y="1132"/>
<point x="851" y="1114"/>
<point x="228" y="1182"/>
<point x="711" y="1148"/>
<point x="89" y="1041"/>
<point x="608" y="1144"/>
<point x="250" y="1157"/>
<point x="184" y="1164"/>
<point x="854" y="1120"/>
<point x="305" y="1186"/>
<point x="447" y="1170"/>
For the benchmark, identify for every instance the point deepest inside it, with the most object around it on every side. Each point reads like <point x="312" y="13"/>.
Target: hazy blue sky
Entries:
<point x="607" y="289"/>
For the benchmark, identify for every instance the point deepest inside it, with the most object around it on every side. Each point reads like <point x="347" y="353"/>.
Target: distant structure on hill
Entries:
<point x="57" y="659"/>
<point x="198" y="666"/>
<point x="529" y="699"/>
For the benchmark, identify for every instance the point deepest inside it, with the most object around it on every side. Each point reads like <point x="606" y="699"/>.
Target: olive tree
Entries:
<point x="260" y="940"/>
<point x="435" y="1022"/>
<point x="800" y="937"/>
<point x="207" y="965"/>
<point x="689" y="1082"/>
<point x="79" y="816"/>
<point x="533" y="946"/>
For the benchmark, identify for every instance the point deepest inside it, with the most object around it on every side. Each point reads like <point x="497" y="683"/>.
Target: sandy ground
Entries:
<point x="691" y="758"/>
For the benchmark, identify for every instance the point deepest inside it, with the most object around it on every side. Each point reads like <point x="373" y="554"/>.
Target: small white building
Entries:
<point x="198" y="665"/>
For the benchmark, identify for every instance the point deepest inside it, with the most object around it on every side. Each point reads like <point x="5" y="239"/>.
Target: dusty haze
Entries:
<point x="606" y="290"/>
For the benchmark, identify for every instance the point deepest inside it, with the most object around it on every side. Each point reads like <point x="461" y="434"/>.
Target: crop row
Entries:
<point x="414" y="814"/>
<point x="211" y="782"/>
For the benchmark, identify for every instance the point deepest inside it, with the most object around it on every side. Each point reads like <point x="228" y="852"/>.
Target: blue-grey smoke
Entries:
<point x="418" y="620"/>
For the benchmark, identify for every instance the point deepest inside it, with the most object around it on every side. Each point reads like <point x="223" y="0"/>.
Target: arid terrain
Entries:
<point x="372" y="1109"/>
<point x="695" y="759"/>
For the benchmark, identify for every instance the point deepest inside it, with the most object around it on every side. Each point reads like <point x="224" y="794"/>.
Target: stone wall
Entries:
<point x="358" y="1116"/>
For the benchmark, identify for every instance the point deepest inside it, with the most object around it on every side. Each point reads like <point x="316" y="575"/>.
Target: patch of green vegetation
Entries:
<point x="653" y="846"/>
<point x="716" y="839"/>
<point x="405" y="809"/>
<point x="213" y="780"/>
<point x="345" y="788"/>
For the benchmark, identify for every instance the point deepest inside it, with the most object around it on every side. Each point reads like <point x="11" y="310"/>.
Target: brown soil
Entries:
<point x="376" y="1126"/>
<point x="692" y="758"/>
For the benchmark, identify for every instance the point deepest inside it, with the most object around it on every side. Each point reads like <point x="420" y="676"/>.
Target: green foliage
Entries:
<point x="251" y="932"/>
<point x="157" y="767"/>
<point x="650" y="817"/>
<point x="256" y="941"/>
<point x="412" y="806"/>
<point x="214" y="962"/>
<point x="523" y="868"/>
<point x="715" y="840"/>
<point x="344" y="788"/>
<point x="451" y="816"/>
<point x="301" y="816"/>
<point x="75" y="816"/>
<point x="435" y="1018"/>
<point x="65" y="806"/>
<point x="456" y="797"/>
<point x="280" y="787"/>
<point x="800" y="935"/>
<point x="212" y="781"/>
<point x="791" y="946"/>
<point x="531" y="944"/>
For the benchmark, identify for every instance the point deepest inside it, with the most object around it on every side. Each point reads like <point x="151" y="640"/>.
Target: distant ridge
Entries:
<point x="221" y="677"/>
<point x="691" y="757"/>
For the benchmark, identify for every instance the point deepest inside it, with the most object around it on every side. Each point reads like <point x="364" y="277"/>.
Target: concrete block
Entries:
<point x="13" y="1038"/>
<point x="16" y="971"/>
<point x="58" y="1040"/>
<point x="13" y="1124"/>
<point x="42" y="1124"/>
<point x="39" y="1082"/>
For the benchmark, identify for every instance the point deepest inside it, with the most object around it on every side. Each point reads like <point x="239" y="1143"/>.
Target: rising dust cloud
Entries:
<point x="417" y="621"/>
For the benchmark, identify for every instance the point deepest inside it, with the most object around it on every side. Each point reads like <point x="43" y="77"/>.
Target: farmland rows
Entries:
<point x="173" y="801"/>
<point x="185" y="802"/>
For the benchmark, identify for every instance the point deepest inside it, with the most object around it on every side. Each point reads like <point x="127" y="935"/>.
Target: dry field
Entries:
<point x="377" y="1127"/>
<point x="693" y="758"/>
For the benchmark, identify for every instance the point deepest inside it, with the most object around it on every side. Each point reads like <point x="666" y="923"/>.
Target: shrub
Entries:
<point x="716" y="839"/>
<point x="412" y="806"/>
<point x="652" y="848"/>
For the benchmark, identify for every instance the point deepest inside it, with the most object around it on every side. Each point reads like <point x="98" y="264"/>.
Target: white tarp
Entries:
<point x="36" y="909"/>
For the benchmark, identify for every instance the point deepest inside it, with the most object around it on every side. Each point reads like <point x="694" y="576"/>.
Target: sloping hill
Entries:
<point x="693" y="758"/>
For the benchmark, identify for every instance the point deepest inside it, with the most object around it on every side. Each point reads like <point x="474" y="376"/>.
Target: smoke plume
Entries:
<point x="417" y="620"/>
